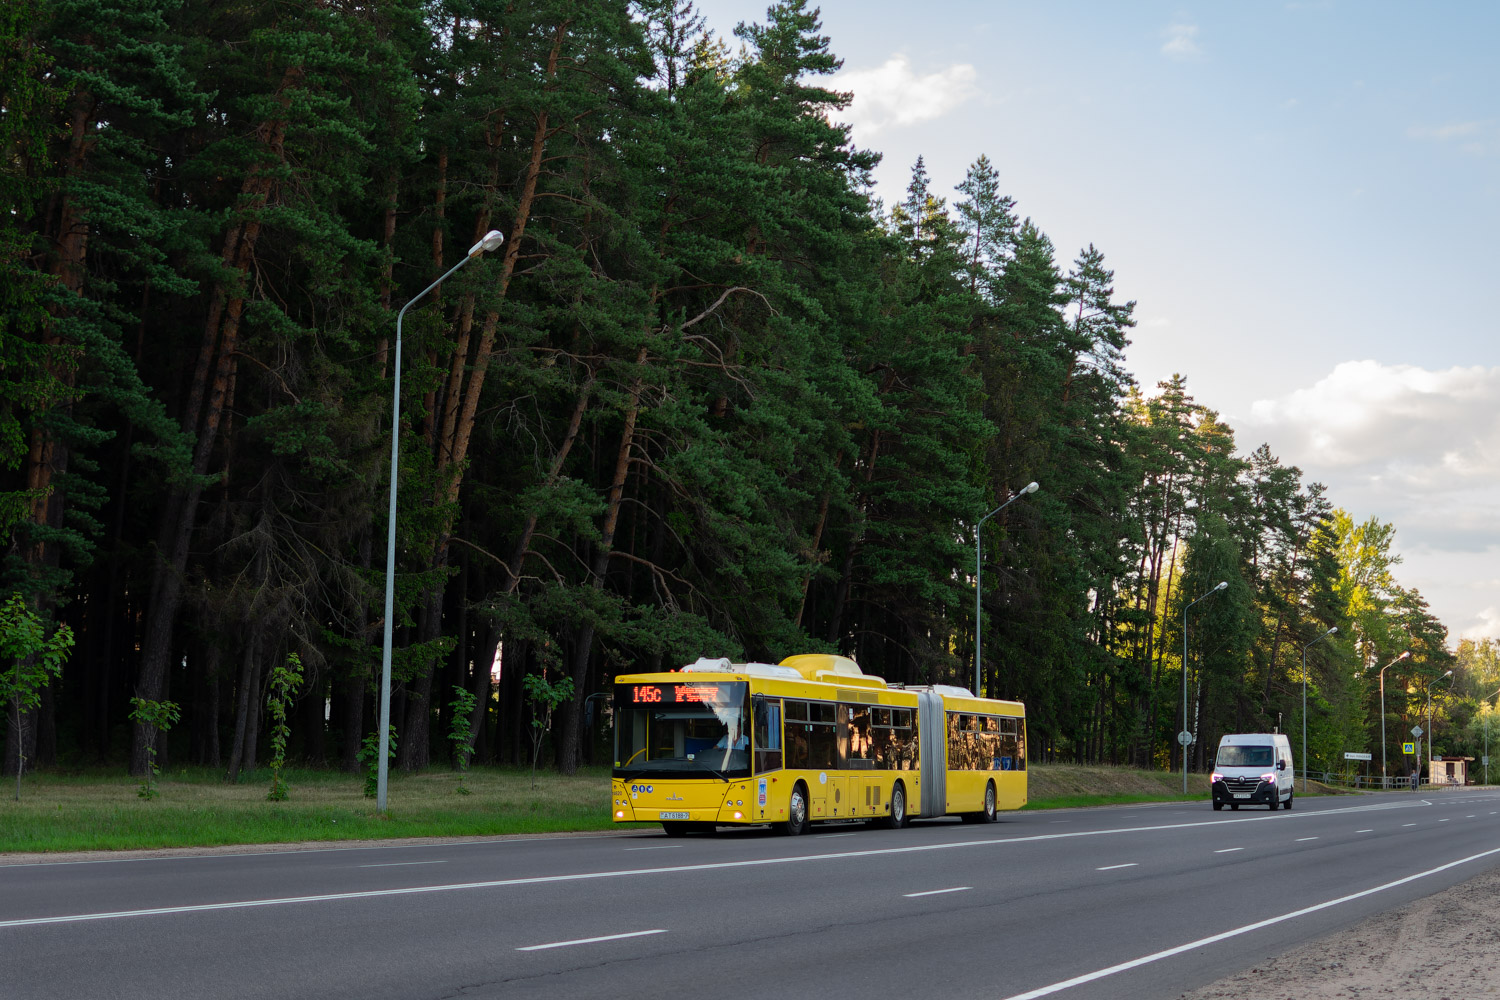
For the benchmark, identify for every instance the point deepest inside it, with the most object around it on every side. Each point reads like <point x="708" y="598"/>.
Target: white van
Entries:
<point x="1253" y="769"/>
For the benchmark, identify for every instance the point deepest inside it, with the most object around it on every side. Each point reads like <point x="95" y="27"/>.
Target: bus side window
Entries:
<point x="822" y="735"/>
<point x="1012" y="744"/>
<point x="903" y="740"/>
<point x="767" y="736"/>
<point x="797" y="729"/>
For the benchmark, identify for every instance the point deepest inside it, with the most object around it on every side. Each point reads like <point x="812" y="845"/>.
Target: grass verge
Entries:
<point x="195" y="808"/>
<point x="101" y="811"/>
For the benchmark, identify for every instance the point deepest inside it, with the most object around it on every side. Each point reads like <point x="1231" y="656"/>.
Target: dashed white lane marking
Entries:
<point x="662" y="847"/>
<point x="937" y="892"/>
<point x="404" y="864"/>
<point x="592" y="940"/>
<point x="1408" y="824"/>
<point x="1136" y="963"/>
<point x="1364" y="831"/>
<point x="1301" y="839"/>
<point x="1229" y="850"/>
<point x="1110" y="868"/>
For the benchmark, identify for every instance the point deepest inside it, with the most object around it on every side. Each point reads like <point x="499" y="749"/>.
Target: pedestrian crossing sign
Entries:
<point x="1408" y="748"/>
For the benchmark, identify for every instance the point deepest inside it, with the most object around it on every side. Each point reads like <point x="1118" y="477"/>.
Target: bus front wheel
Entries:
<point x="796" y="812"/>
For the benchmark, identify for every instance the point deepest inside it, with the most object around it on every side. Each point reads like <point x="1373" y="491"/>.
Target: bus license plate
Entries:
<point x="667" y="815"/>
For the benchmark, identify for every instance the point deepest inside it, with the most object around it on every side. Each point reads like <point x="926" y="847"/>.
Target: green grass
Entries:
<point x="1079" y="801"/>
<point x="101" y="810"/>
<point x="195" y="808"/>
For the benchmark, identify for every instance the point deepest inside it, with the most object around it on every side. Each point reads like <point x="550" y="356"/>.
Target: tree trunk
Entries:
<point x="220" y="336"/>
<point x="567" y="760"/>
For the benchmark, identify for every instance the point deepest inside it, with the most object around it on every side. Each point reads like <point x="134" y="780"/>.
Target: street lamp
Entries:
<point x="1304" y="701"/>
<point x="1383" y="778"/>
<point x="1445" y="676"/>
<point x="1487" y="735"/>
<point x="1184" y="736"/>
<point x="490" y="241"/>
<point x="978" y="576"/>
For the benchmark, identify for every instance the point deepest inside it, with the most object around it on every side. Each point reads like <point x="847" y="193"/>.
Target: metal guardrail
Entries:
<point x="1368" y="782"/>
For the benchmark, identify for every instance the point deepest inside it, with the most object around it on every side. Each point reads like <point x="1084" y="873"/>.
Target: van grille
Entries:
<point x="1234" y="784"/>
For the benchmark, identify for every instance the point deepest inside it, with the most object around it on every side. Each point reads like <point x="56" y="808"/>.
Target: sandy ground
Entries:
<point x="1444" y="947"/>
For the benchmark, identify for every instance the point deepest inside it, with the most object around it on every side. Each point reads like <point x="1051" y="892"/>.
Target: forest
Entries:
<point x="709" y="397"/>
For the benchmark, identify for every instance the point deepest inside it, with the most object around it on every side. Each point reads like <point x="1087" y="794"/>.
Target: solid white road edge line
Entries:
<point x="403" y="864"/>
<point x="937" y="892"/>
<point x="592" y="940"/>
<point x="1136" y="963"/>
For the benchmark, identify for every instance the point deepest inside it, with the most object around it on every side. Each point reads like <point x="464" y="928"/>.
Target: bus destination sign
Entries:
<point x="654" y="694"/>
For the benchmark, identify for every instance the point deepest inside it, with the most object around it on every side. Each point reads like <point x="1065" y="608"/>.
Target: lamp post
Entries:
<point x="1487" y="735"/>
<point x="1383" y="777"/>
<point x="491" y="241"/>
<point x="1182" y="737"/>
<point x="1304" y="701"/>
<point x="979" y="578"/>
<point x="1446" y="675"/>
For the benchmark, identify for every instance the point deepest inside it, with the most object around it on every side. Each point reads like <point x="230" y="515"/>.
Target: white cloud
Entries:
<point x="894" y="95"/>
<point x="1428" y="432"/>
<point x="1443" y="133"/>
<point x="1488" y="626"/>
<point x="1417" y="449"/>
<point x="1182" y="42"/>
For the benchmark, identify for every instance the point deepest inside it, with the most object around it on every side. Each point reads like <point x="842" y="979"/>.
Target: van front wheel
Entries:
<point x="1289" y="797"/>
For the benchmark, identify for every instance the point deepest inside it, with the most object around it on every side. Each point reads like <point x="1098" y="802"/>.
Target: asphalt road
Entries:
<point x="1126" y="902"/>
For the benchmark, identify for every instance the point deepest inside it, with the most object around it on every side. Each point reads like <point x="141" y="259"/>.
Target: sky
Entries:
<point x="1301" y="197"/>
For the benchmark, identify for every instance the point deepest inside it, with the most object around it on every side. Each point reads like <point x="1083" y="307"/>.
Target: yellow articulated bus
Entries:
<point x="812" y="738"/>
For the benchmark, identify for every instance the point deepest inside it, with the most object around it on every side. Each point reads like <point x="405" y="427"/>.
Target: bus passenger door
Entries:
<point x="767" y="747"/>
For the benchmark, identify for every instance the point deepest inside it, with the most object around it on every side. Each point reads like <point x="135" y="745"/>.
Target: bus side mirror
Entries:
<point x="588" y="706"/>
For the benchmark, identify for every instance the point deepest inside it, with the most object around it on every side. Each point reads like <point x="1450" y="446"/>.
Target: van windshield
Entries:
<point x="1261" y="756"/>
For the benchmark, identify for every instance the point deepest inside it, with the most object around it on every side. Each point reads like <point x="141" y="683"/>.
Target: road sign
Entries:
<point x="1358" y="756"/>
<point x="1184" y="737"/>
<point x="1408" y="748"/>
<point x="1416" y="731"/>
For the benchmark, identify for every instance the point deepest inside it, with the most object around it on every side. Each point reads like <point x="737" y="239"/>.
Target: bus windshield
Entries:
<point x="1246" y="756"/>
<point x="682" y="730"/>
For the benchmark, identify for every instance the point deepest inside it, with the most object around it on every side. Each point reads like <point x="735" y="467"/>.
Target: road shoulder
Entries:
<point x="1444" y="947"/>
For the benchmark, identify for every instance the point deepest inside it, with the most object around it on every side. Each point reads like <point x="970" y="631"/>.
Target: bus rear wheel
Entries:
<point x="896" y="819"/>
<point x="796" y="812"/>
<point x="987" y="814"/>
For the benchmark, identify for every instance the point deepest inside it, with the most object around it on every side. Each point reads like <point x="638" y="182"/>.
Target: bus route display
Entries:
<point x="668" y="694"/>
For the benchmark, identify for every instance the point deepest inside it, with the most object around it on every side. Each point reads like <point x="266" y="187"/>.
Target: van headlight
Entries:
<point x="1269" y="779"/>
